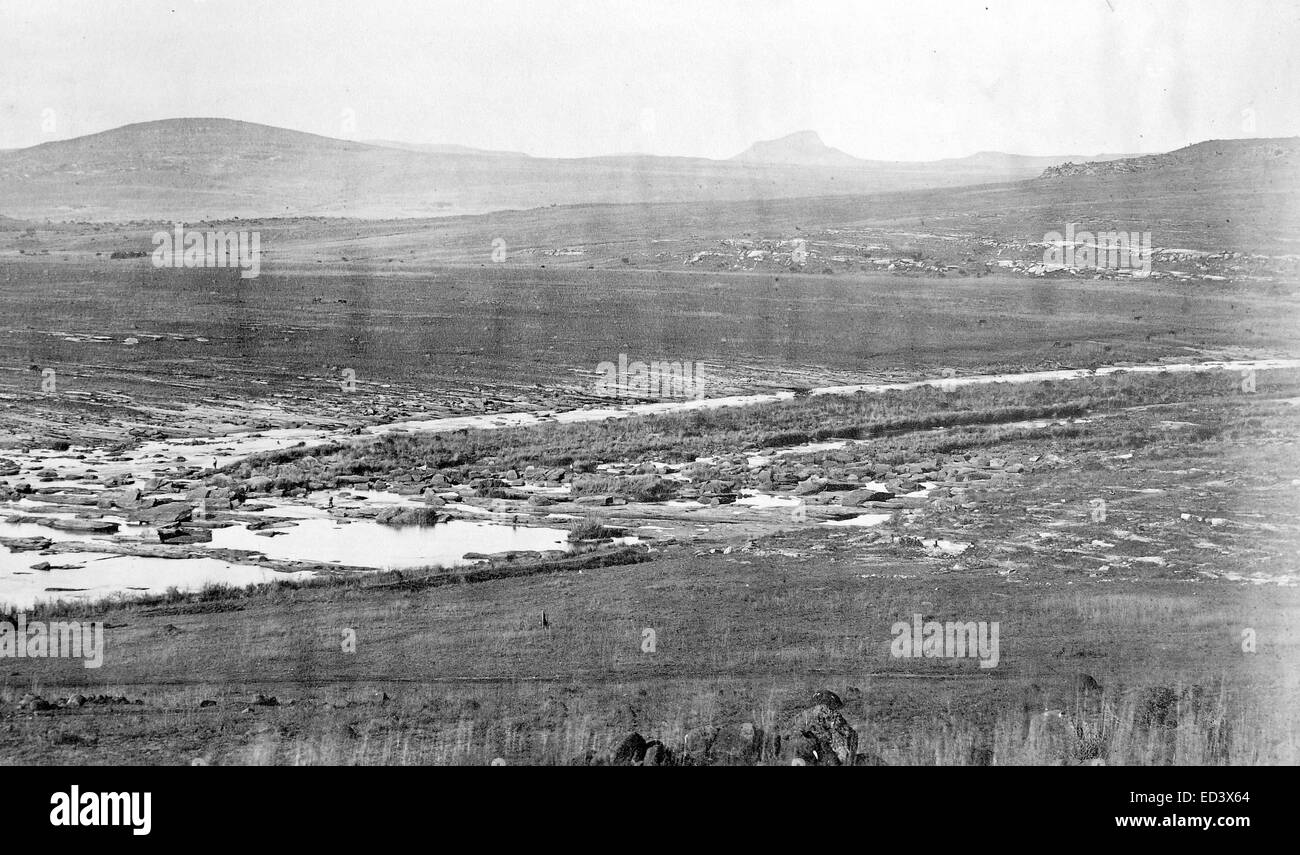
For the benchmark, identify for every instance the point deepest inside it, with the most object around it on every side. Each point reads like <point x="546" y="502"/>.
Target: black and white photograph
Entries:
<point x="898" y="383"/>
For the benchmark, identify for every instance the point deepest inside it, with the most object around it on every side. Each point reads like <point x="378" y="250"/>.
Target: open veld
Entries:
<point x="1134" y="622"/>
<point x="1132" y="533"/>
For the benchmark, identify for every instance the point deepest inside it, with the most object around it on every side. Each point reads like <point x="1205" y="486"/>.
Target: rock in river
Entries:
<point x="166" y="514"/>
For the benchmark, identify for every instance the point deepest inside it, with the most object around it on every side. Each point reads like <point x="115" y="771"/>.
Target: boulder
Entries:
<point x="129" y="499"/>
<point x="401" y="516"/>
<point x="25" y="544"/>
<point x="804" y="751"/>
<point x="736" y="745"/>
<point x="657" y="754"/>
<point x="165" y="514"/>
<point x="860" y="497"/>
<point x="630" y="750"/>
<point x="828" y="698"/>
<point x="826" y="734"/>
<point x="34" y="703"/>
<point x="180" y="535"/>
<point x="809" y="487"/>
<point x="696" y="744"/>
<point x="263" y="484"/>
<point x="839" y="486"/>
<point x="88" y="526"/>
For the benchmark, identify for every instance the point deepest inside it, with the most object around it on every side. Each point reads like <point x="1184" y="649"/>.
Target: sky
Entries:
<point x="908" y="80"/>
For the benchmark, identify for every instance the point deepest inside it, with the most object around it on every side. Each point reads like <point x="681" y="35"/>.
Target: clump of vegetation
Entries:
<point x="407" y="516"/>
<point x="637" y="488"/>
<point x="587" y="529"/>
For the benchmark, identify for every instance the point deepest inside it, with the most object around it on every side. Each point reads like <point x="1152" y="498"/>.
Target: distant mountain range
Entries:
<point x="194" y="169"/>
<point x="435" y="148"/>
<point x="805" y="148"/>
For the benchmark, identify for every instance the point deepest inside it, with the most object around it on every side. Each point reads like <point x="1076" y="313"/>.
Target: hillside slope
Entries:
<point x="1211" y="155"/>
<point x="192" y="169"/>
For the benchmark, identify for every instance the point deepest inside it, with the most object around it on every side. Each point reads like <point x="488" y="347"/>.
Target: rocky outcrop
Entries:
<point x="821" y="736"/>
<point x="816" y="736"/>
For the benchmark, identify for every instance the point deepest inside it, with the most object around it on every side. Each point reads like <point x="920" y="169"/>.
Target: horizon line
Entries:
<point x="385" y="142"/>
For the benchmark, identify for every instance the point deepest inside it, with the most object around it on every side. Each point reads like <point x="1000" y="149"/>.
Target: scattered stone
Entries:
<point x="408" y="516"/>
<point x="828" y="698"/>
<point x="696" y="744"/>
<point x="630" y="751"/>
<point x="809" y="487"/>
<point x="736" y="745"/>
<point x="859" y="497"/>
<point x="34" y="703"/>
<point x="827" y="735"/>
<point x="26" y="544"/>
<point x="657" y="754"/>
<point x="169" y="513"/>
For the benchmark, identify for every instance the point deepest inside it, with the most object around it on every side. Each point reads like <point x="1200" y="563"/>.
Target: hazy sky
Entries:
<point x="907" y="80"/>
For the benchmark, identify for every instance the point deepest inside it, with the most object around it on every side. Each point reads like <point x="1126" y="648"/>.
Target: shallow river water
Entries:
<point x="320" y="538"/>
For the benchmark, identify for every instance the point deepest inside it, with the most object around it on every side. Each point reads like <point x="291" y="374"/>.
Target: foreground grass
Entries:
<point x="469" y="673"/>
